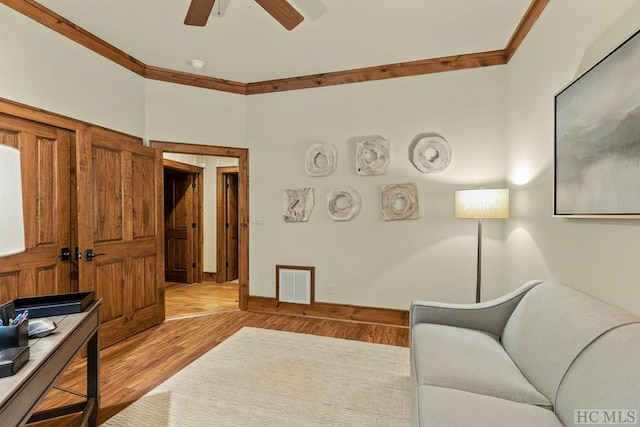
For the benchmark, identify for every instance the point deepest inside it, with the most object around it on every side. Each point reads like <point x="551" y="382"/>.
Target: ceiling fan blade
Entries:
<point x="198" y="13"/>
<point x="283" y="12"/>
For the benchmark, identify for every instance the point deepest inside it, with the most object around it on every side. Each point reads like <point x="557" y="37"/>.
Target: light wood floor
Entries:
<point x="199" y="298"/>
<point x="133" y="367"/>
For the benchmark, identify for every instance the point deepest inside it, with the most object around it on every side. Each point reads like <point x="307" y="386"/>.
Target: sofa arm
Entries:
<point x="490" y="316"/>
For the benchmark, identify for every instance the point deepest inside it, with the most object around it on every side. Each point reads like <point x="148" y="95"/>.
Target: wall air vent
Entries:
<point x="295" y="284"/>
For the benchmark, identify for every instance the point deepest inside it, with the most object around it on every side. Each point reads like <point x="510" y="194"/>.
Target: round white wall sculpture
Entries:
<point x="320" y="160"/>
<point x="372" y="157"/>
<point x="431" y="154"/>
<point x="400" y="201"/>
<point x="343" y="203"/>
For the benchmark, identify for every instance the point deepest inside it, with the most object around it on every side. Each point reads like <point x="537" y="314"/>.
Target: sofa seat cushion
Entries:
<point x="469" y="360"/>
<point x="446" y="407"/>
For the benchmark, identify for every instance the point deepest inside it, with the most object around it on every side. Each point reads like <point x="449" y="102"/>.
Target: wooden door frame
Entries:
<point x="197" y="211"/>
<point x="221" y="220"/>
<point x="242" y="154"/>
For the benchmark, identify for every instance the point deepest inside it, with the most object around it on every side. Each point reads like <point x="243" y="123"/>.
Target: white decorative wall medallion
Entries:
<point x="297" y="204"/>
<point x="343" y="203"/>
<point x="400" y="201"/>
<point x="431" y="154"/>
<point x="372" y="157"/>
<point x="320" y="160"/>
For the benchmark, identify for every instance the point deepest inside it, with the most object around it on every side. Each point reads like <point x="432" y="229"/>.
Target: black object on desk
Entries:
<point x="14" y="341"/>
<point x="54" y="305"/>
<point x="12" y="359"/>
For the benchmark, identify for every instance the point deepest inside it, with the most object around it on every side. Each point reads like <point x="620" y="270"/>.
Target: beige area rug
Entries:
<point x="261" y="377"/>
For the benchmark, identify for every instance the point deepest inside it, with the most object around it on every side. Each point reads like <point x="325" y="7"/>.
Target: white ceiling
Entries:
<point x="247" y="45"/>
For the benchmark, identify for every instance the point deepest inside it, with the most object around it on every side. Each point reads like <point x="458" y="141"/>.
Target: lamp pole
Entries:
<point x="479" y="267"/>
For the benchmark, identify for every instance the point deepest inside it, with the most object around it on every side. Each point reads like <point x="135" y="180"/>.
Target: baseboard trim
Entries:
<point x="385" y="316"/>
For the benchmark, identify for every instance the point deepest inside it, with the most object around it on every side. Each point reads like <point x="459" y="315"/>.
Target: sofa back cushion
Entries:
<point x="603" y="383"/>
<point x="551" y="326"/>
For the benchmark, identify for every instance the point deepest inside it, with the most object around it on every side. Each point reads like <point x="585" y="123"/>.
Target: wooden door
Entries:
<point x="227" y="227"/>
<point x="178" y="226"/>
<point x="45" y="161"/>
<point x="231" y="237"/>
<point x="120" y="221"/>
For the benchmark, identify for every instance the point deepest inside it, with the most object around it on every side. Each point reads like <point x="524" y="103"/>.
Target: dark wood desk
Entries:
<point x="50" y="356"/>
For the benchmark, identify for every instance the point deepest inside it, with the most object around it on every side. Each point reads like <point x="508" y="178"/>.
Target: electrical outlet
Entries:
<point x="331" y="289"/>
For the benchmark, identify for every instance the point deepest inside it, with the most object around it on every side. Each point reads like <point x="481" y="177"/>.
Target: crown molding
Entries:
<point x="57" y="23"/>
<point x="526" y="23"/>
<point x="381" y="72"/>
<point x="188" y="79"/>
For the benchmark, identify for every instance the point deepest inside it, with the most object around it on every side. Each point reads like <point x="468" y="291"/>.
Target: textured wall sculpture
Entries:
<point x="431" y="154"/>
<point x="297" y="204"/>
<point x="343" y="203"/>
<point x="400" y="201"/>
<point x="320" y="160"/>
<point x="372" y="157"/>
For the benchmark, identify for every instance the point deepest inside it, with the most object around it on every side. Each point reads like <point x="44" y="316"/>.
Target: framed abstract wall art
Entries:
<point x="597" y="139"/>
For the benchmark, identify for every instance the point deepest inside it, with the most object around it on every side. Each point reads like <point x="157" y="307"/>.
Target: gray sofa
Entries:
<point x="542" y="355"/>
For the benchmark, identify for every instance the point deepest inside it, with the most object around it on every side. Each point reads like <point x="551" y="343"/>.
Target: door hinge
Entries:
<point x="193" y="184"/>
<point x="227" y="225"/>
<point x="193" y="264"/>
<point x="193" y="225"/>
<point x="227" y="264"/>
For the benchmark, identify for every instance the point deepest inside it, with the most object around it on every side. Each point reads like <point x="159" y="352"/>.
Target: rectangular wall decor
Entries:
<point x="597" y="139"/>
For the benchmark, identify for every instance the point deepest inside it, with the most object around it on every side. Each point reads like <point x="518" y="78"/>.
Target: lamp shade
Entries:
<point x="11" y="218"/>
<point x="482" y="203"/>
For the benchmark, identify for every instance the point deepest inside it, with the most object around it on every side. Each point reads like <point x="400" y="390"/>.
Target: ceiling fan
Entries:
<point x="281" y="10"/>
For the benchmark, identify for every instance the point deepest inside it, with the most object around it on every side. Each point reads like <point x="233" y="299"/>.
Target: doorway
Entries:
<point x="238" y="232"/>
<point x="183" y="222"/>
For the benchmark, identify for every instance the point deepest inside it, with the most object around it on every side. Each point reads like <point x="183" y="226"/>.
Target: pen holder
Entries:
<point x="14" y="336"/>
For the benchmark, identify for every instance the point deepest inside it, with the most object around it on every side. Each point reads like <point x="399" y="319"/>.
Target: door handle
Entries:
<point x="65" y="254"/>
<point x="89" y="255"/>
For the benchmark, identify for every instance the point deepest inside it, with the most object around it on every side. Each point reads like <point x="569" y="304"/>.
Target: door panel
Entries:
<point x="45" y="161"/>
<point x="108" y="198"/>
<point x="232" y="226"/>
<point x="119" y="208"/>
<point x="227" y="227"/>
<point x="179" y="233"/>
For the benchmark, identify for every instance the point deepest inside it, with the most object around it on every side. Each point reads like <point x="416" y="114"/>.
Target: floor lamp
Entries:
<point x="481" y="204"/>
<point x="11" y="218"/>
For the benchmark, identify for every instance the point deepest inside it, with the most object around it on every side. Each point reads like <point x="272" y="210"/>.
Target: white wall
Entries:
<point x="373" y="262"/>
<point x="594" y="255"/>
<point x="177" y="113"/>
<point x="43" y="69"/>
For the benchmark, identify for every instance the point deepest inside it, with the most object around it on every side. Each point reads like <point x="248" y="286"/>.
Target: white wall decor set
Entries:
<point x="343" y="203"/>
<point x="298" y="204"/>
<point x="400" y="201"/>
<point x="320" y="160"/>
<point x="373" y="157"/>
<point x="431" y="153"/>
